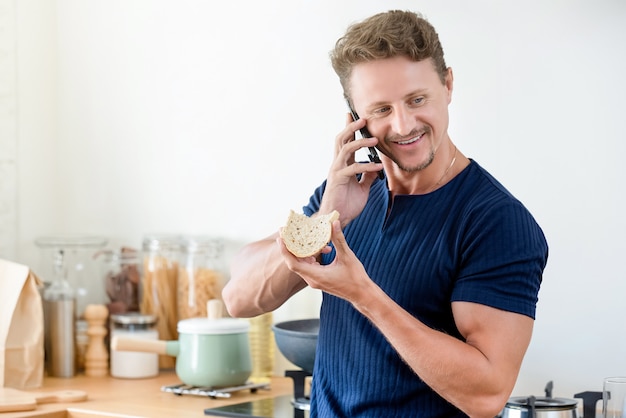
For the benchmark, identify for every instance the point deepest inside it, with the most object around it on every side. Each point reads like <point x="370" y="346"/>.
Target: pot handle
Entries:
<point x="137" y="344"/>
<point x="531" y="405"/>
<point x="590" y="399"/>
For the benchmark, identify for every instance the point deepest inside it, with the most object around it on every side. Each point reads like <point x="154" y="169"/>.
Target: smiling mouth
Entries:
<point x="411" y="140"/>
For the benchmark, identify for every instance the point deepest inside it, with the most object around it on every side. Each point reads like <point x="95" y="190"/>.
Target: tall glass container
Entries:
<point x="200" y="275"/>
<point x="159" y="286"/>
<point x="81" y="272"/>
<point x="59" y="307"/>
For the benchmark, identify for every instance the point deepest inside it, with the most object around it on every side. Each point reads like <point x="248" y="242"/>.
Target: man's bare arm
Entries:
<point x="260" y="281"/>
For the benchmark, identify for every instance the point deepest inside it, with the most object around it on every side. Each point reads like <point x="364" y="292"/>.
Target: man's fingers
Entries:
<point x="339" y="240"/>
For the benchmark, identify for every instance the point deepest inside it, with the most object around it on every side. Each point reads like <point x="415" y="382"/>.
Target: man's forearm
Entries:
<point x="260" y="281"/>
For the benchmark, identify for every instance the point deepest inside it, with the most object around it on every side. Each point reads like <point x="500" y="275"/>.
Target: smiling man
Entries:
<point x="431" y="284"/>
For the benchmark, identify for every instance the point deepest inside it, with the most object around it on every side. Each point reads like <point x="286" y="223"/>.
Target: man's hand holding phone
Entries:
<point x="365" y="133"/>
<point x="349" y="182"/>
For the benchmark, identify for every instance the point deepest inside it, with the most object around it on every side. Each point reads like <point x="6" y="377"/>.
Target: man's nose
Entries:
<point x="402" y="121"/>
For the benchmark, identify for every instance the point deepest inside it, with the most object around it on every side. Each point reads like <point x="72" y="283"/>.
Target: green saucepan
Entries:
<point x="209" y="352"/>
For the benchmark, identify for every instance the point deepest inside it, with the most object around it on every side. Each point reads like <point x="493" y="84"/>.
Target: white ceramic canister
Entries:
<point x="129" y="364"/>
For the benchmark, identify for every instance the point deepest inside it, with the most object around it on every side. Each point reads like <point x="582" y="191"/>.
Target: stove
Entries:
<point x="296" y="405"/>
<point x="212" y="392"/>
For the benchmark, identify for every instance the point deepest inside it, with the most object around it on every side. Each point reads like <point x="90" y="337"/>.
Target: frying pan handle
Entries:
<point x="137" y="344"/>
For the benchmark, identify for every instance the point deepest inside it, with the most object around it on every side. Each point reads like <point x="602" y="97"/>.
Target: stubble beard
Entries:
<point x="416" y="168"/>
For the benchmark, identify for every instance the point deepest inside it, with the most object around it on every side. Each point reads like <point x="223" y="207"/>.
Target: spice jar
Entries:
<point x="200" y="276"/>
<point x="128" y="364"/>
<point x="160" y="275"/>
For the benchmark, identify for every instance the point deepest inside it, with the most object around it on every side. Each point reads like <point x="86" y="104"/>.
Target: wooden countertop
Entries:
<point x="114" y="397"/>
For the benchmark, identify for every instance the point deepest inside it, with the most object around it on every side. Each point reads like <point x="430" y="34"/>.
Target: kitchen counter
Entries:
<point x="111" y="397"/>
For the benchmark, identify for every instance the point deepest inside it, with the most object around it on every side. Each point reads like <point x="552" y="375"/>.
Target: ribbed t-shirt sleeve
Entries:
<point x="503" y="254"/>
<point x="315" y="201"/>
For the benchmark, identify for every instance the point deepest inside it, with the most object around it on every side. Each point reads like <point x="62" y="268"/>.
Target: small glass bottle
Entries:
<point x="59" y="302"/>
<point x="134" y="365"/>
<point x="200" y="276"/>
<point x="160" y="277"/>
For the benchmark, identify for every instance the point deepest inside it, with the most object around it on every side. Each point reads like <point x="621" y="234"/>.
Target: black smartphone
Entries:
<point x="365" y="133"/>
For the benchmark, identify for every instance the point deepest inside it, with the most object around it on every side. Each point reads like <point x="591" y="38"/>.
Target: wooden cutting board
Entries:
<point x="22" y="400"/>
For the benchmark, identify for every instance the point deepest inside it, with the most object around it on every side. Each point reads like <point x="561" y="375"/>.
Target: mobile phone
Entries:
<point x="365" y="133"/>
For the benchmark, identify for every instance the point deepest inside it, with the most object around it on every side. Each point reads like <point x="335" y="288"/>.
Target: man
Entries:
<point x="430" y="289"/>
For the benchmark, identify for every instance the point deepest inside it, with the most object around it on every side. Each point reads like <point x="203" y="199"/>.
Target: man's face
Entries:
<point x="406" y="107"/>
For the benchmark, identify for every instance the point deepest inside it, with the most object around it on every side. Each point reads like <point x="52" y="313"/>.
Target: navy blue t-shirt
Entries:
<point x="470" y="240"/>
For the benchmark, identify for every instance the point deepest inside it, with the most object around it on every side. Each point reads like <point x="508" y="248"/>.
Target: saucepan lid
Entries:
<point x="214" y="323"/>
<point x="542" y="403"/>
<point x="213" y="326"/>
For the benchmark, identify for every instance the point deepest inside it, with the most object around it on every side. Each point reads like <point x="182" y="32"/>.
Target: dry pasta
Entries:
<point x="195" y="288"/>
<point x="159" y="299"/>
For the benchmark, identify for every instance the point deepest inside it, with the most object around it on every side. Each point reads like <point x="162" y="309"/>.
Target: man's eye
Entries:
<point x="418" y="100"/>
<point x="382" y="110"/>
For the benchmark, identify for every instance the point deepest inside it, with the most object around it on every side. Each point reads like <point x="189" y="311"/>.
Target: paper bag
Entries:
<point x="21" y="327"/>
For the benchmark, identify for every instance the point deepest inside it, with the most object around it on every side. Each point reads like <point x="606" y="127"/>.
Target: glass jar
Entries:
<point x="128" y="364"/>
<point x="81" y="267"/>
<point x="122" y="279"/>
<point x="159" y="285"/>
<point x="82" y="275"/>
<point x="200" y="276"/>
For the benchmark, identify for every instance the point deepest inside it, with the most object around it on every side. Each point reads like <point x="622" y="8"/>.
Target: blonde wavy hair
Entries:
<point x="386" y="35"/>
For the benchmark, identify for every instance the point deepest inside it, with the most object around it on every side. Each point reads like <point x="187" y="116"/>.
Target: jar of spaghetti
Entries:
<point x="200" y="275"/>
<point x="159" y="285"/>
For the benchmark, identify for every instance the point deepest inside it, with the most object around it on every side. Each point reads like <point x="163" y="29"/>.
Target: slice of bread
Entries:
<point x="306" y="236"/>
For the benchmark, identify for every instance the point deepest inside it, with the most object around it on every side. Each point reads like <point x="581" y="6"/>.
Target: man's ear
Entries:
<point x="449" y="82"/>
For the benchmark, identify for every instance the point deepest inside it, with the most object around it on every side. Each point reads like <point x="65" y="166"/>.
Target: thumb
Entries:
<point x="338" y="238"/>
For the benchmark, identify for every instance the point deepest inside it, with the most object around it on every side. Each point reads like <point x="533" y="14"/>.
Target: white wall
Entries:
<point x="8" y="129"/>
<point x="218" y="117"/>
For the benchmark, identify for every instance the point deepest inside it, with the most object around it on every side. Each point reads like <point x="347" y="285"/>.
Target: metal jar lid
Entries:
<point x="133" y="320"/>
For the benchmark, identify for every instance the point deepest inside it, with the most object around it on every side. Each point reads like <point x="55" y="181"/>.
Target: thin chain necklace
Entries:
<point x="447" y="169"/>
